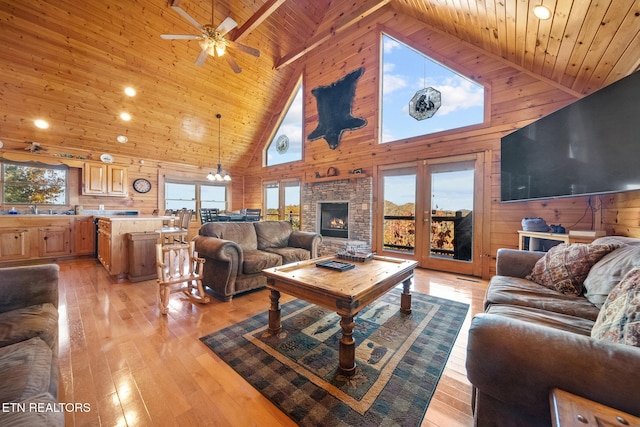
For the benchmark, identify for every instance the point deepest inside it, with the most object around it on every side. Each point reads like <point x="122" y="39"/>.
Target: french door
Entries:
<point x="282" y="201"/>
<point x="431" y="211"/>
<point x="452" y="196"/>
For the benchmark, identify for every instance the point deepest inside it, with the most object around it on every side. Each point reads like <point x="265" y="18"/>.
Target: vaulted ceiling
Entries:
<point x="68" y="61"/>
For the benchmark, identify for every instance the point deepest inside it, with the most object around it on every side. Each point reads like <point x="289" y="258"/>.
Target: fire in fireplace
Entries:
<point x="334" y="219"/>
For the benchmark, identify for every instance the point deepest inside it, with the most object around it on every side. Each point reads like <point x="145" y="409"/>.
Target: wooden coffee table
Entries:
<point x="345" y="292"/>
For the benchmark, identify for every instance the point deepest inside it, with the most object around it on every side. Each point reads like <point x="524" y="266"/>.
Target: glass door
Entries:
<point x="282" y="201"/>
<point x="451" y="223"/>
<point x="399" y="211"/>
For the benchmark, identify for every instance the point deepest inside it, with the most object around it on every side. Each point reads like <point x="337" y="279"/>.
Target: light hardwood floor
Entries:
<point x="136" y="367"/>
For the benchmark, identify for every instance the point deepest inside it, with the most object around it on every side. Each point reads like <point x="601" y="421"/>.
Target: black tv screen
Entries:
<point x="589" y="147"/>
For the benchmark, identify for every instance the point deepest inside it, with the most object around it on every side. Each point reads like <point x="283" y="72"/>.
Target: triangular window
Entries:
<point x="286" y="145"/>
<point x="421" y="96"/>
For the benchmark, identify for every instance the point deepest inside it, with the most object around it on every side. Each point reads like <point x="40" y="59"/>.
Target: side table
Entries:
<point x="569" y="410"/>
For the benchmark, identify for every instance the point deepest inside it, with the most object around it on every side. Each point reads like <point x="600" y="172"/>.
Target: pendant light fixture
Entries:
<point x="220" y="175"/>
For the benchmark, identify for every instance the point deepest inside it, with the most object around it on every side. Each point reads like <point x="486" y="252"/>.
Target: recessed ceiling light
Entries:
<point x="122" y="139"/>
<point x="542" y="12"/>
<point x="125" y="116"/>
<point x="42" y="124"/>
<point x="130" y="91"/>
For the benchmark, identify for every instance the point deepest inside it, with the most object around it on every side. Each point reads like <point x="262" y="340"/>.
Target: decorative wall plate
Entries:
<point x="142" y="185"/>
<point x="282" y="144"/>
<point x="106" y="158"/>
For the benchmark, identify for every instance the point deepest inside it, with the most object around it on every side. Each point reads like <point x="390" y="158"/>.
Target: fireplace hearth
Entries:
<point x="334" y="219"/>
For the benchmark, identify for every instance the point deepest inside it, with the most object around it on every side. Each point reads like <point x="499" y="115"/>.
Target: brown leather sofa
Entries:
<point x="235" y="253"/>
<point x="532" y="339"/>
<point x="29" y="345"/>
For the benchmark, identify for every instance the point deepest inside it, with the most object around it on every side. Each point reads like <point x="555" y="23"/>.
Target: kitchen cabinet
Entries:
<point x="54" y="241"/>
<point x="84" y="236"/>
<point x="42" y="237"/>
<point x="14" y="244"/>
<point x="104" y="179"/>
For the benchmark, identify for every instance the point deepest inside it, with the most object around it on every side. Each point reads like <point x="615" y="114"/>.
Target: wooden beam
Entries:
<point x="341" y="24"/>
<point x="263" y="13"/>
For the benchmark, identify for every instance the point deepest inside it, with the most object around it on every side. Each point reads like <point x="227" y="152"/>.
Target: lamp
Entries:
<point x="220" y="175"/>
<point x="541" y="12"/>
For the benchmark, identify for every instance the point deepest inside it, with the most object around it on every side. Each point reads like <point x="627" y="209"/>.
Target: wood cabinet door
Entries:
<point x="14" y="244"/>
<point x="95" y="178"/>
<point x="117" y="180"/>
<point x="54" y="241"/>
<point x="84" y="236"/>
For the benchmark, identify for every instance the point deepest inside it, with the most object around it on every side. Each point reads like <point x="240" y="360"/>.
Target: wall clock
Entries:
<point x="142" y="185"/>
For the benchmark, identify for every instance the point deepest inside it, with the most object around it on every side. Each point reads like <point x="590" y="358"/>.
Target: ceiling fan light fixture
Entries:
<point x="541" y="12"/>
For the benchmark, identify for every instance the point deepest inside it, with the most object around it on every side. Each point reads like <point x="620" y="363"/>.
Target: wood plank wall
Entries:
<point x="515" y="98"/>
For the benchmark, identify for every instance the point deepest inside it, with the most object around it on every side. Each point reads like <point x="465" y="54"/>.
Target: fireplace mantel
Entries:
<point x="313" y="180"/>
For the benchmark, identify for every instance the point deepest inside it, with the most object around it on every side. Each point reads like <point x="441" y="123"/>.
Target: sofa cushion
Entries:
<point x="565" y="266"/>
<point x="523" y="292"/>
<point x="34" y="321"/>
<point x="25" y="369"/>
<point x="256" y="261"/>
<point x="564" y="322"/>
<point x="241" y="233"/>
<point x="273" y="234"/>
<point x="45" y="413"/>
<point x="619" y="318"/>
<point x="290" y="255"/>
<point x="609" y="271"/>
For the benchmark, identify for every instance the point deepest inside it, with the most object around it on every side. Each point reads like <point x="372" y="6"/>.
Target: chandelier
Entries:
<point x="220" y="175"/>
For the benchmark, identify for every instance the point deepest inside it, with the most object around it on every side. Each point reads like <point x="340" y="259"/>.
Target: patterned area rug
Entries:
<point x="399" y="360"/>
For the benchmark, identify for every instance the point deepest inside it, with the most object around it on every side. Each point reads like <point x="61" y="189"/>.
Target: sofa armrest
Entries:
<point x="305" y="240"/>
<point x="28" y="285"/>
<point x="218" y="249"/>
<point x="519" y="363"/>
<point x="515" y="263"/>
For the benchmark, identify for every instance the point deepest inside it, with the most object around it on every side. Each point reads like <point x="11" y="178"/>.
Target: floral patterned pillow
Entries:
<point x="565" y="266"/>
<point x="619" y="318"/>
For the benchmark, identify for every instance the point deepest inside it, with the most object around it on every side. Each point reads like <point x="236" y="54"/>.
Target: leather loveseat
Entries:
<point x="532" y="339"/>
<point x="29" y="346"/>
<point x="235" y="253"/>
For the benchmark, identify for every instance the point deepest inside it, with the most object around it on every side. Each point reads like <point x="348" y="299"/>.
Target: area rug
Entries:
<point x="399" y="360"/>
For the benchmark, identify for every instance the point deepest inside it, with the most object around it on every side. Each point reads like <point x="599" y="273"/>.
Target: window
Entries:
<point x="282" y="201"/>
<point x="286" y="145"/>
<point x="180" y="195"/>
<point x="34" y="183"/>
<point x="405" y="73"/>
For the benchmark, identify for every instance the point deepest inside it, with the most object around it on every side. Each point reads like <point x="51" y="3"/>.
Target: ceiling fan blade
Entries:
<point x="244" y="48"/>
<point x="200" y="60"/>
<point x="227" y="25"/>
<point x="185" y="15"/>
<point x="232" y="63"/>
<point x="179" y="37"/>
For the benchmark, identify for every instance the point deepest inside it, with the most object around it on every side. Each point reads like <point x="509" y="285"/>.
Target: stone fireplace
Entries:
<point x="355" y="195"/>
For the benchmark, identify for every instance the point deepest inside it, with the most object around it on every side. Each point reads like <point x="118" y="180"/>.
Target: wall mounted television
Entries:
<point x="589" y="147"/>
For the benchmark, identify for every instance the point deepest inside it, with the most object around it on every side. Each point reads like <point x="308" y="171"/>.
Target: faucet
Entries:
<point x="34" y="208"/>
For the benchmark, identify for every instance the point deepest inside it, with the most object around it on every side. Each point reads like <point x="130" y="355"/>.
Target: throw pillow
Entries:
<point x="608" y="272"/>
<point x="565" y="266"/>
<point x="619" y="318"/>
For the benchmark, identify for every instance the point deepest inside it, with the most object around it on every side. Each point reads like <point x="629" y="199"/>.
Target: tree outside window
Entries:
<point x="28" y="184"/>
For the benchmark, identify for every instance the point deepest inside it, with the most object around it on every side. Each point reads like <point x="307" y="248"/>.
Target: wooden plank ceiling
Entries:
<point x="69" y="61"/>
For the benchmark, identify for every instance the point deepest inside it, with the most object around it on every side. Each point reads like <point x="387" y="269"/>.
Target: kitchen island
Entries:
<point x="113" y="250"/>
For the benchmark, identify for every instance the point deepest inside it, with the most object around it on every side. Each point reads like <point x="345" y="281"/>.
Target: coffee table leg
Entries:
<point x="274" y="313"/>
<point x="347" y="350"/>
<point x="405" y="298"/>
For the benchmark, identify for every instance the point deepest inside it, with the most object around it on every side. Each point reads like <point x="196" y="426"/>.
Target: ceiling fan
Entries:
<point x="212" y="40"/>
